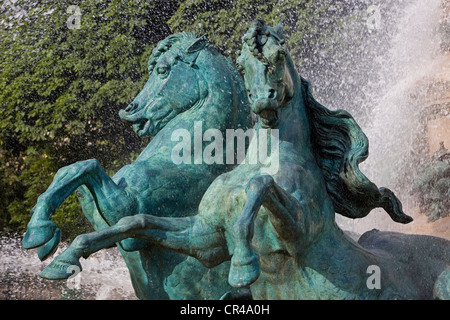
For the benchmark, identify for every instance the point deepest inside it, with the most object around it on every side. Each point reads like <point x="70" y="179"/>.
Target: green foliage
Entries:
<point x="306" y="22"/>
<point x="60" y="83"/>
<point x="326" y="38"/>
<point x="61" y="89"/>
<point x="224" y="21"/>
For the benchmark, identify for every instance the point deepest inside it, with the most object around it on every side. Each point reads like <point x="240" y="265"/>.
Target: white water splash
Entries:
<point x="104" y="276"/>
<point x="396" y="121"/>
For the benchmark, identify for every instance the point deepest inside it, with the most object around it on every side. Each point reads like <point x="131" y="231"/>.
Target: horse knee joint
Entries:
<point x="81" y="242"/>
<point x="258" y="182"/>
<point x="84" y="166"/>
<point x="140" y="221"/>
<point x="126" y="221"/>
<point x="133" y="222"/>
<point x="90" y="164"/>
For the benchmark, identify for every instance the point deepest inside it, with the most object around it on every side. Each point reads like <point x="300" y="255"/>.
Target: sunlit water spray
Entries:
<point x="104" y="276"/>
<point x="396" y="124"/>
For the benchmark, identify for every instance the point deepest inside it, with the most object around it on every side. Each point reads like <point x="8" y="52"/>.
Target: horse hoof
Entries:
<point x="50" y="247"/>
<point x="244" y="271"/>
<point x="37" y="235"/>
<point x="61" y="269"/>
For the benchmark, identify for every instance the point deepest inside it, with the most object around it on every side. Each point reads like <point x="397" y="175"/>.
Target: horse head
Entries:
<point x="264" y="63"/>
<point x="333" y="136"/>
<point x="174" y="85"/>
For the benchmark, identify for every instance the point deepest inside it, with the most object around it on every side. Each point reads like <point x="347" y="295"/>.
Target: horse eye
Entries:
<point x="163" y="71"/>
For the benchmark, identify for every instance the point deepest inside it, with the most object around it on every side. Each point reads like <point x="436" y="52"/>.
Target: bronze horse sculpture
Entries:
<point x="186" y="75"/>
<point x="279" y="229"/>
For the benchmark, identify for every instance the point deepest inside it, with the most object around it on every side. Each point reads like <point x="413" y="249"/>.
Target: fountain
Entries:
<point x="414" y="108"/>
<point x="106" y="276"/>
<point x="416" y="96"/>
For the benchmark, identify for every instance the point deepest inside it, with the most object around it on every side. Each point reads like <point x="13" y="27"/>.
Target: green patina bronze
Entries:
<point x="189" y="81"/>
<point x="274" y="233"/>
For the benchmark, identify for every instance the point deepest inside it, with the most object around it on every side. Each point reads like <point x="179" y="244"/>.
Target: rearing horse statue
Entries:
<point x="279" y="229"/>
<point x="189" y="82"/>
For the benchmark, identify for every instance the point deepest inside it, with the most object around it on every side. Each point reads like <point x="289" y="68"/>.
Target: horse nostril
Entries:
<point x="130" y="107"/>
<point x="271" y="93"/>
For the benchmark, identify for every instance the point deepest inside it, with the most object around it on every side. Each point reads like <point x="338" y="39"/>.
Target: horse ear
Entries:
<point x="198" y="44"/>
<point x="279" y="30"/>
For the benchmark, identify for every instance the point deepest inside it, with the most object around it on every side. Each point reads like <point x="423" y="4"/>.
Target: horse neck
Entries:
<point x="294" y="125"/>
<point x="223" y="107"/>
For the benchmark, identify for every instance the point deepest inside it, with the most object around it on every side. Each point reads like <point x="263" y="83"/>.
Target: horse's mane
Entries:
<point x="165" y="45"/>
<point x="181" y="41"/>
<point x="339" y="146"/>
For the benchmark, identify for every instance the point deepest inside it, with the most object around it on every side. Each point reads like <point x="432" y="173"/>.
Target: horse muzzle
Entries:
<point x="132" y="114"/>
<point x="137" y="116"/>
<point x="267" y="110"/>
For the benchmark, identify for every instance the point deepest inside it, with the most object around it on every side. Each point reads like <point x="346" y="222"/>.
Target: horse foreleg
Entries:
<point x="108" y="196"/>
<point x="285" y="215"/>
<point x="185" y="235"/>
